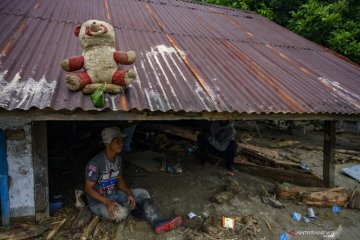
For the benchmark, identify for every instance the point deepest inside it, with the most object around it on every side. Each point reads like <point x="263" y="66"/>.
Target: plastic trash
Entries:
<point x="335" y="209"/>
<point x="228" y="222"/>
<point x="311" y="213"/>
<point x="191" y="215"/>
<point x="170" y="169"/>
<point x="304" y="167"/>
<point x="283" y="236"/>
<point x="296" y="216"/>
<point x="56" y="202"/>
<point x="306" y="219"/>
<point x="190" y="150"/>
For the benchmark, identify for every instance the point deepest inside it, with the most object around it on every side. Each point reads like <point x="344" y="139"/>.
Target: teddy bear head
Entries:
<point x="95" y="33"/>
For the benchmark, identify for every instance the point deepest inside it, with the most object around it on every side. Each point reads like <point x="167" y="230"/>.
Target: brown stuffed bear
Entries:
<point x="99" y="59"/>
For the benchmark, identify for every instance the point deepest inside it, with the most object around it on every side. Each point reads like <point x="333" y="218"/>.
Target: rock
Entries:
<point x="223" y="197"/>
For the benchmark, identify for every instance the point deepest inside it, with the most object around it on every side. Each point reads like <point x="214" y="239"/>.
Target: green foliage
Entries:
<point x="315" y="20"/>
<point x="332" y="23"/>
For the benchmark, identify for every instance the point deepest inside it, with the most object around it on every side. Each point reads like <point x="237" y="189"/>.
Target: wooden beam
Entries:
<point x="40" y="160"/>
<point x="329" y="154"/>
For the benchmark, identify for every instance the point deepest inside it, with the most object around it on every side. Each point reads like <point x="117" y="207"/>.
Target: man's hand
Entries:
<point x="112" y="208"/>
<point x="131" y="201"/>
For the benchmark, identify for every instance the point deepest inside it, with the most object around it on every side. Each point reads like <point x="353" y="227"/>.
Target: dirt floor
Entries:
<point x="194" y="188"/>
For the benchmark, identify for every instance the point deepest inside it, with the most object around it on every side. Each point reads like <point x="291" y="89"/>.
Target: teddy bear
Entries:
<point x="99" y="59"/>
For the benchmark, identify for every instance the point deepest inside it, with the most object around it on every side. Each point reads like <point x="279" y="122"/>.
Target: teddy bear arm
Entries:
<point x="73" y="63"/>
<point x="125" y="58"/>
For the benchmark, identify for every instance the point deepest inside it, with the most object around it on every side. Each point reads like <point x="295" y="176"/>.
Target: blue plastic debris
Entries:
<point x="305" y="167"/>
<point x="335" y="209"/>
<point x="283" y="236"/>
<point x="296" y="216"/>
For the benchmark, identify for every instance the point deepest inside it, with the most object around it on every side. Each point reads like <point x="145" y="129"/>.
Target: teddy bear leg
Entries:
<point x="77" y="81"/>
<point x="130" y="77"/>
<point x="123" y="78"/>
<point x="109" y="88"/>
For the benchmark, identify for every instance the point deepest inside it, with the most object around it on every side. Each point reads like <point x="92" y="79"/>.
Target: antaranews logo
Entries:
<point x="293" y="233"/>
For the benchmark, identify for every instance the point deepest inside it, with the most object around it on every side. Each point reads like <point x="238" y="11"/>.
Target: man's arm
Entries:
<point x="110" y="205"/>
<point x="122" y="185"/>
<point x="223" y="143"/>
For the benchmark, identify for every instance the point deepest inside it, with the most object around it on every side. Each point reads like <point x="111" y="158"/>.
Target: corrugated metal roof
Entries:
<point x="190" y="57"/>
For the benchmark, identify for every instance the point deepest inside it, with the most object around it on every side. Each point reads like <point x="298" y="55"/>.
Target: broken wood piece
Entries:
<point x="326" y="199"/>
<point x="354" y="201"/>
<point x="280" y="175"/>
<point x="89" y="229"/>
<point x="250" y="223"/>
<point x="265" y="151"/>
<point x="283" y="144"/>
<point x="320" y="197"/>
<point x="56" y="229"/>
<point x="96" y="231"/>
<point x="270" y="160"/>
<point x="268" y="225"/>
<point x="82" y="218"/>
<point x="18" y="234"/>
<point x="273" y="202"/>
<point x="293" y="192"/>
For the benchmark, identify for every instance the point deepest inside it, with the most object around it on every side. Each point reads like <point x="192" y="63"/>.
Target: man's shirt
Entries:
<point x="104" y="173"/>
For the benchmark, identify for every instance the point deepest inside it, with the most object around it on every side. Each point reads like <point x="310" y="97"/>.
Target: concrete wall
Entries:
<point x="21" y="171"/>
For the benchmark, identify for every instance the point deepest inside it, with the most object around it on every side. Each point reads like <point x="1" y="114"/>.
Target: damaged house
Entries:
<point x="194" y="62"/>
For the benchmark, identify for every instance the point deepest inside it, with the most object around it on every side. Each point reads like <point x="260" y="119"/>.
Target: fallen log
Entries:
<point x="326" y="199"/>
<point x="319" y="197"/>
<point x="89" y="229"/>
<point x="288" y="191"/>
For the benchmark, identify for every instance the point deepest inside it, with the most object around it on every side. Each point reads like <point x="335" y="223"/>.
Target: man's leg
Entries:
<point x="155" y="218"/>
<point x="146" y="208"/>
<point x="230" y="154"/>
<point x="123" y="210"/>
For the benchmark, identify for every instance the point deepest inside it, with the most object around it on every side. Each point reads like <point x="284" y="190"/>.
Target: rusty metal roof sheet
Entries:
<point x="190" y="57"/>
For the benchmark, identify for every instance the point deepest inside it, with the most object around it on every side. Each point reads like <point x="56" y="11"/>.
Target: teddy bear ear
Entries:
<point x="77" y="30"/>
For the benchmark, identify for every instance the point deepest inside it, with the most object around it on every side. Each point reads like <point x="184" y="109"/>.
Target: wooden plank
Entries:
<point x="329" y="154"/>
<point x="279" y="175"/>
<point x="4" y="189"/>
<point x="40" y="160"/>
<point x="267" y="152"/>
<point x="270" y="160"/>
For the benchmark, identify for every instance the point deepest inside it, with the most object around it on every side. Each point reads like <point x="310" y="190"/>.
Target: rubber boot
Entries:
<point x="157" y="221"/>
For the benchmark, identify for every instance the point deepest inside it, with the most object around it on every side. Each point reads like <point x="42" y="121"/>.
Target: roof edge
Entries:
<point x="134" y="115"/>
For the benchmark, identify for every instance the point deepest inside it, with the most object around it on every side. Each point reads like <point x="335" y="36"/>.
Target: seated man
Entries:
<point x="220" y="142"/>
<point x="108" y="193"/>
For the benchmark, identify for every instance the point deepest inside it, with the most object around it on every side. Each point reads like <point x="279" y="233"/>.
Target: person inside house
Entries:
<point x="219" y="141"/>
<point x="108" y="194"/>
